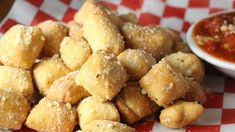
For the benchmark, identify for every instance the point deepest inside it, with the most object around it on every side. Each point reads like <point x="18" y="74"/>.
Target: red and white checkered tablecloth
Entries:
<point x="176" y="14"/>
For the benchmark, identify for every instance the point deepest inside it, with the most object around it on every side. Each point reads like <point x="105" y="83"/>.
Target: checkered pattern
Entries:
<point x="176" y="14"/>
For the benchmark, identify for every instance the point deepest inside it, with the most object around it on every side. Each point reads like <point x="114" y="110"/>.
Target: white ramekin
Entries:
<point x="226" y="67"/>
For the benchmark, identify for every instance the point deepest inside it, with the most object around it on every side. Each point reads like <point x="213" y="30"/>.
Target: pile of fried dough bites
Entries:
<point x="101" y="72"/>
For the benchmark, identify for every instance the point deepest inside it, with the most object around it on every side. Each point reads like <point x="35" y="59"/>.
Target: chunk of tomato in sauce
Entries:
<point x="210" y="45"/>
<point x="213" y="25"/>
<point x="228" y="43"/>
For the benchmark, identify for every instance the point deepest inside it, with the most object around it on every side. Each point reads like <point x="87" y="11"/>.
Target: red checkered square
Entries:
<point x="68" y="16"/>
<point x="36" y="3"/>
<point x="133" y="4"/>
<point x="40" y="17"/>
<point x="174" y="12"/>
<point x="229" y="85"/>
<point x="66" y="1"/>
<point x="7" y="25"/>
<point x="228" y="116"/>
<point x="214" y="10"/>
<point x="146" y="127"/>
<point x="110" y="5"/>
<point x="214" y="100"/>
<point x="186" y="26"/>
<point x="198" y="3"/>
<point x="147" y="18"/>
<point x="204" y="128"/>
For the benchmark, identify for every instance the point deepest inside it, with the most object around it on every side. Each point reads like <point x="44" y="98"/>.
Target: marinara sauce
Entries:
<point x="216" y="36"/>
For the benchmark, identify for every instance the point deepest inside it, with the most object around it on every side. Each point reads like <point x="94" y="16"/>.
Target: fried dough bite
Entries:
<point x="17" y="80"/>
<point x="101" y="33"/>
<point x="75" y="29"/>
<point x="93" y="108"/>
<point x="90" y="5"/>
<point x="52" y="116"/>
<point x="119" y="20"/>
<point x="21" y="45"/>
<point x="188" y="64"/>
<point x="181" y="46"/>
<point x="136" y="62"/>
<point x="129" y="17"/>
<point x="181" y="114"/>
<point x="113" y="15"/>
<point x="178" y="44"/>
<point x="74" y="52"/>
<point x="102" y="75"/>
<point x="175" y="36"/>
<point x="85" y="10"/>
<point x="54" y="33"/>
<point x="195" y="92"/>
<point x="153" y="39"/>
<point x="47" y="71"/>
<point x="164" y="84"/>
<point x="64" y="89"/>
<point x="134" y="104"/>
<point x="107" y="126"/>
<point x="14" y="109"/>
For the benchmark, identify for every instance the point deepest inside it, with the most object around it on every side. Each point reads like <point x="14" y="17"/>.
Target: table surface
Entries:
<point x="5" y="6"/>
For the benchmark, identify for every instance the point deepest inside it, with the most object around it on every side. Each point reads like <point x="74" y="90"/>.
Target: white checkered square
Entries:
<point x="195" y="14"/>
<point x="116" y="2"/>
<point x="183" y="36"/>
<point x="155" y="7"/>
<point x="123" y="10"/>
<point x="76" y="4"/>
<point x="225" y="4"/>
<point x="178" y="3"/>
<point x="227" y="127"/>
<point x="172" y="22"/>
<point x="23" y="15"/>
<point x="210" y="117"/>
<point x="214" y="83"/>
<point x="229" y="100"/>
<point x="55" y="8"/>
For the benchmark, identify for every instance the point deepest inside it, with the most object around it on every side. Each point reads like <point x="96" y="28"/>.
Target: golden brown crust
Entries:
<point x="54" y="33"/>
<point x="20" y="46"/>
<point x="164" y="84"/>
<point x="175" y="36"/>
<point x="188" y="64"/>
<point x="195" y="92"/>
<point x="51" y="116"/>
<point x="107" y="126"/>
<point x="64" y="89"/>
<point x="75" y="29"/>
<point x="136" y="62"/>
<point x="182" y="47"/>
<point x="133" y="104"/>
<point x="14" y="109"/>
<point x="129" y="17"/>
<point x="47" y="71"/>
<point x="180" y="114"/>
<point x="101" y="33"/>
<point x="17" y="80"/>
<point x="93" y="108"/>
<point x="85" y="10"/>
<point x="153" y="39"/>
<point x="113" y="15"/>
<point x="74" y="52"/>
<point x="102" y="75"/>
